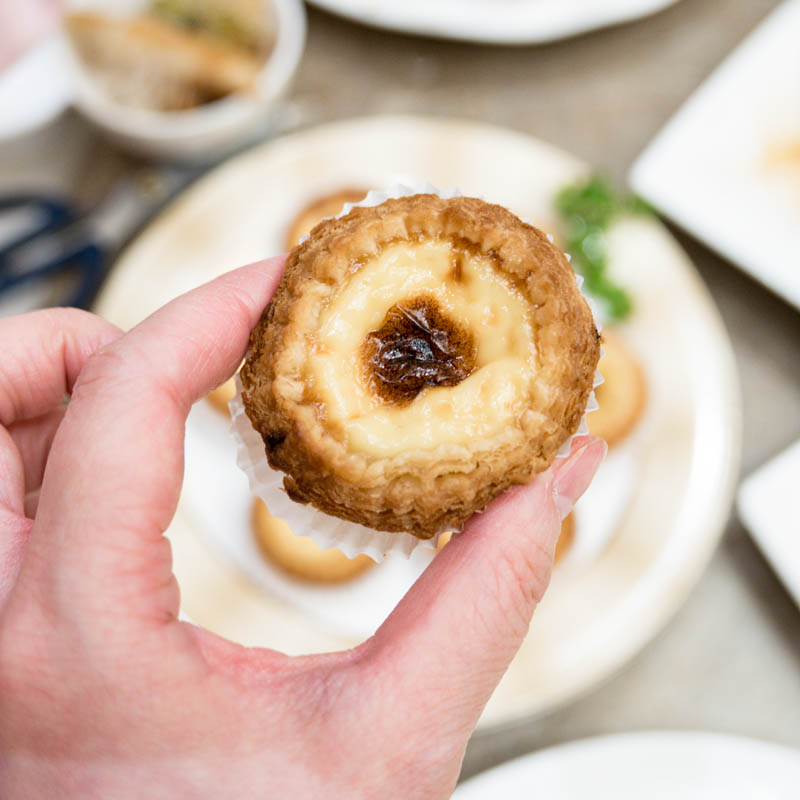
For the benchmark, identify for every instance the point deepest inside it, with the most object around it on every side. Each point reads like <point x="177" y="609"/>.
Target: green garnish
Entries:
<point x="588" y="209"/>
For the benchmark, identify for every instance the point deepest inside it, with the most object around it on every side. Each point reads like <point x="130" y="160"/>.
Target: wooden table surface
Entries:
<point x="730" y="660"/>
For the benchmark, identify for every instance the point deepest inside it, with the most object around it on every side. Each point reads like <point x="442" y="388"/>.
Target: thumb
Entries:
<point x="455" y="632"/>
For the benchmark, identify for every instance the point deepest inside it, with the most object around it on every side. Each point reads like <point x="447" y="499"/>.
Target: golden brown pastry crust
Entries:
<point x="422" y="491"/>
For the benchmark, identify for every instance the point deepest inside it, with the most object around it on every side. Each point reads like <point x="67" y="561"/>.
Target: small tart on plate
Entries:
<point x="327" y="206"/>
<point x="565" y="538"/>
<point x="222" y="395"/>
<point x="301" y="556"/>
<point x="623" y="394"/>
<point x="419" y="358"/>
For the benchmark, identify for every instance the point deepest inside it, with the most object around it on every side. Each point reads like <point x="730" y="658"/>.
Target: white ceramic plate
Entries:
<point x="767" y="503"/>
<point x="659" y="505"/>
<point x="727" y="166"/>
<point x="493" y="21"/>
<point x="656" y="766"/>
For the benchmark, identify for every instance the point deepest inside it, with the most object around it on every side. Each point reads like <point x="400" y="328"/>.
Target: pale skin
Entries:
<point x="105" y="693"/>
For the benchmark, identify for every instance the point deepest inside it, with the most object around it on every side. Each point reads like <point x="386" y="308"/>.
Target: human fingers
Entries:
<point x="33" y="438"/>
<point x="43" y="354"/>
<point x="14" y="525"/>
<point x="115" y="467"/>
<point x="570" y="479"/>
<point x="23" y="23"/>
<point x="453" y="635"/>
<point x="12" y="475"/>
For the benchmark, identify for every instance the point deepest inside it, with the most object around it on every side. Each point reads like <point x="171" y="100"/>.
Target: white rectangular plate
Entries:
<point x="768" y="507"/>
<point x="727" y="166"/>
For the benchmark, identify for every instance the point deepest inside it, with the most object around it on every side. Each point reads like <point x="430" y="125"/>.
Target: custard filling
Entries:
<point x="424" y="345"/>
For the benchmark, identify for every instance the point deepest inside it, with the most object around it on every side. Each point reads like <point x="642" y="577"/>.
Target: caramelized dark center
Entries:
<point x="416" y="346"/>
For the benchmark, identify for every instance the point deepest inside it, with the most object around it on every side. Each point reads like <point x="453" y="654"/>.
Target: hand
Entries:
<point x="23" y="23"/>
<point x="104" y="693"/>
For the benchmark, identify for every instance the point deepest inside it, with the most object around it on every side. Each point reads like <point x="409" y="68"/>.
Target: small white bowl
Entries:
<point x="35" y="89"/>
<point x="200" y="133"/>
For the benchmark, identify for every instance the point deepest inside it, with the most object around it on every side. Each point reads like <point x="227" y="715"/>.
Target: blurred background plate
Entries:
<point x="36" y="88"/>
<point x="600" y="610"/>
<point x="656" y="766"/>
<point x="493" y="21"/>
<point x="727" y="166"/>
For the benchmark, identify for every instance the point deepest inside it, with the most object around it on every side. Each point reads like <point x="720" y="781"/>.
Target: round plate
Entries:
<point x="494" y="21"/>
<point x="657" y="765"/>
<point x="602" y="607"/>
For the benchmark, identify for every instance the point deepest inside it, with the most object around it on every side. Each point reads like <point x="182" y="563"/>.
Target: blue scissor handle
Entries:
<point x="88" y="262"/>
<point x="87" y="259"/>
<point x="55" y="214"/>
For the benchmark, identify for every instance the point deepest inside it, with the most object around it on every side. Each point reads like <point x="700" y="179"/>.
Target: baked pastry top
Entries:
<point x="418" y="358"/>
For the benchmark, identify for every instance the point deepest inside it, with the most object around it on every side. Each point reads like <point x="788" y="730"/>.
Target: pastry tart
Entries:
<point x="623" y="394"/>
<point x="328" y="205"/>
<point x="222" y="395"/>
<point x="565" y="538"/>
<point x="419" y="358"/>
<point x="300" y="556"/>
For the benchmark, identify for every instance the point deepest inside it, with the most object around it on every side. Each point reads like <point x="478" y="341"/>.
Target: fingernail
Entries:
<point x="574" y="477"/>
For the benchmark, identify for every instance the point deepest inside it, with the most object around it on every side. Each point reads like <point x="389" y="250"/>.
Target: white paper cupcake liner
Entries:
<point x="305" y="520"/>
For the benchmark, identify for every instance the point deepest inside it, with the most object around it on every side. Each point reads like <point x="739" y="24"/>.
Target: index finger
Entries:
<point x="43" y="354"/>
<point x="115" y="469"/>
